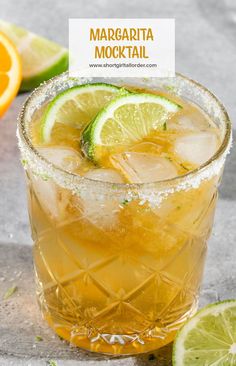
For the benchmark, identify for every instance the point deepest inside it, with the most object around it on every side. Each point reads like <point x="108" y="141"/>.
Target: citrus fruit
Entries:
<point x="41" y="59"/>
<point x="126" y="120"/>
<point x="76" y="106"/>
<point x="209" y="338"/>
<point x="10" y="72"/>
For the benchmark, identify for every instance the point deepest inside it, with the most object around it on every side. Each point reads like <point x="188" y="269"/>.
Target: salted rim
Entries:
<point x="78" y="183"/>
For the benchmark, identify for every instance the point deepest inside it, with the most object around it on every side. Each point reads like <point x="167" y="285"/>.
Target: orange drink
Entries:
<point x="121" y="205"/>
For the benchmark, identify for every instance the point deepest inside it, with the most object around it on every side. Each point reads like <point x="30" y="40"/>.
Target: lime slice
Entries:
<point x="77" y="106"/>
<point x="41" y="58"/>
<point x="209" y="338"/>
<point x="126" y="120"/>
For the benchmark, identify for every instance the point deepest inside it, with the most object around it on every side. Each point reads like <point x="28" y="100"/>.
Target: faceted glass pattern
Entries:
<point x="121" y="281"/>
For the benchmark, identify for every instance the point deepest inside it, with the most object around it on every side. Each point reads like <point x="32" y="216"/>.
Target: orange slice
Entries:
<point x="10" y="72"/>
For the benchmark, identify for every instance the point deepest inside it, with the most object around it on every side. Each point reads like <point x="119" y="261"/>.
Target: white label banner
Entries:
<point x="122" y="47"/>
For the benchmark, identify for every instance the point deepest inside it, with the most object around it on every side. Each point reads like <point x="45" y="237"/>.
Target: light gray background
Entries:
<point x="205" y="51"/>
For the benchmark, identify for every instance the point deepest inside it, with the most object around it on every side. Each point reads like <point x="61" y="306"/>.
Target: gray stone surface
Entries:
<point x="206" y="51"/>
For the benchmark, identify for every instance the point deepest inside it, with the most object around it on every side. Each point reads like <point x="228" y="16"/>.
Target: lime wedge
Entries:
<point x="41" y="58"/>
<point x="77" y="106"/>
<point x="126" y="120"/>
<point x="209" y="338"/>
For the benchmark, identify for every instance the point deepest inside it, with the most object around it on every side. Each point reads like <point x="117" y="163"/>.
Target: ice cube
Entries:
<point x="104" y="175"/>
<point x="196" y="148"/>
<point x="190" y="121"/>
<point x="147" y="147"/>
<point x="102" y="212"/>
<point x="52" y="198"/>
<point x="143" y="167"/>
<point x="64" y="157"/>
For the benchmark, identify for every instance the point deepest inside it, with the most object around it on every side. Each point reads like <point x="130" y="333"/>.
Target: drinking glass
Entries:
<point x="118" y="266"/>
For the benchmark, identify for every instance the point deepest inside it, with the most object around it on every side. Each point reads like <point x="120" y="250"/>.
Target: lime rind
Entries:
<point x="179" y="349"/>
<point x="41" y="58"/>
<point x="54" y="106"/>
<point x="55" y="69"/>
<point x="86" y="142"/>
<point x="132" y="99"/>
<point x="91" y="135"/>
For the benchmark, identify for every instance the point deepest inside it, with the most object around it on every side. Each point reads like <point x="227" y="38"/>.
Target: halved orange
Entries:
<point x="10" y="72"/>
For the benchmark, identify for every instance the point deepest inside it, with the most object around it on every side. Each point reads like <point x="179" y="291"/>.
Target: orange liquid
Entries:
<point x="117" y="277"/>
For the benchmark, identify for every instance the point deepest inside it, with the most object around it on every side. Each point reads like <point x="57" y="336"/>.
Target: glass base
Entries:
<point x="117" y="344"/>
